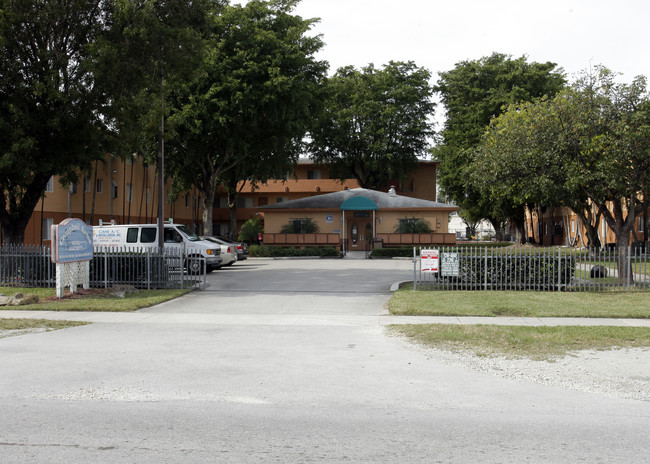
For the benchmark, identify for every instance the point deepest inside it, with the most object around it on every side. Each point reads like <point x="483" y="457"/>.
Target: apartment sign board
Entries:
<point x="72" y="241"/>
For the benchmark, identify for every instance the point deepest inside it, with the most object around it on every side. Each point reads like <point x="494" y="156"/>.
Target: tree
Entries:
<point x="252" y="171"/>
<point x="253" y="101"/>
<point x="612" y="131"/>
<point x="49" y="106"/>
<point x="150" y="48"/>
<point x="589" y="145"/>
<point x="473" y="93"/>
<point x="524" y="159"/>
<point x="375" y="124"/>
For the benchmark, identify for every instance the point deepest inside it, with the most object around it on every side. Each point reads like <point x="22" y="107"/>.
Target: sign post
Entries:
<point x="72" y="251"/>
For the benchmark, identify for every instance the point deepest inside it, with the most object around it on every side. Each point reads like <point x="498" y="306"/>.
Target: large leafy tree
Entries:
<point x="473" y="93"/>
<point x="376" y="123"/>
<point x="252" y="102"/>
<point x="149" y="49"/>
<point x="588" y="146"/>
<point x="49" y="122"/>
<point x="524" y="159"/>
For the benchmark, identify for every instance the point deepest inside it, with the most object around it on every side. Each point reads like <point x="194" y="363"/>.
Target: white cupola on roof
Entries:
<point x="391" y="191"/>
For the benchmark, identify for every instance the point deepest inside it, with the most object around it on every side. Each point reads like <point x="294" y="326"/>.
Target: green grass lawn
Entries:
<point x="18" y="326"/>
<point x="96" y="302"/>
<point x="521" y="304"/>
<point x="539" y="343"/>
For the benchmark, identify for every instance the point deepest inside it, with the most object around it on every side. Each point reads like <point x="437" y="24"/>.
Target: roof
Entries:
<point x="336" y="200"/>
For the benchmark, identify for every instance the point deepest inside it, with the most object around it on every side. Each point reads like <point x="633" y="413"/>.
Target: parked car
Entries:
<point x="143" y="236"/>
<point x="242" y="248"/>
<point x="228" y="250"/>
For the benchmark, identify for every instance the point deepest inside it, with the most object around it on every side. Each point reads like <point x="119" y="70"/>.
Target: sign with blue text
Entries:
<point x="72" y="241"/>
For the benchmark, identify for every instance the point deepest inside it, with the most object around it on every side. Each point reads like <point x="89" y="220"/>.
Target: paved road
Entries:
<point x="181" y="389"/>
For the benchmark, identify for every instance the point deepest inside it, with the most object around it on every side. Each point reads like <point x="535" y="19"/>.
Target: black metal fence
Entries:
<point x="526" y="268"/>
<point x="145" y="268"/>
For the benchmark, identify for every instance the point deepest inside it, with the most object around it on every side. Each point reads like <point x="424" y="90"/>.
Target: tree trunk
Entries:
<point x="207" y="204"/>
<point x="591" y="229"/>
<point x="233" y="220"/>
<point x="497" y="229"/>
<point x="13" y="233"/>
<point x="621" y="226"/>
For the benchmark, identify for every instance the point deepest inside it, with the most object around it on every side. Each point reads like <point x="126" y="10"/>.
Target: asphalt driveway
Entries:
<point x="171" y="387"/>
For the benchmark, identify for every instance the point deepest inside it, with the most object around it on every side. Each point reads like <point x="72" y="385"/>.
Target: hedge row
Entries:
<point x="537" y="272"/>
<point x="262" y="251"/>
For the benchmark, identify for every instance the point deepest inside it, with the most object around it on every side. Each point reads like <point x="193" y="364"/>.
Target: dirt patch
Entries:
<point x="80" y="294"/>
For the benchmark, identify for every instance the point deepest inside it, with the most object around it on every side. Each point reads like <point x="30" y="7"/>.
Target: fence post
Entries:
<point x="485" y="269"/>
<point x="415" y="279"/>
<point x="628" y="266"/>
<point x="105" y="257"/>
<point x="559" y="268"/>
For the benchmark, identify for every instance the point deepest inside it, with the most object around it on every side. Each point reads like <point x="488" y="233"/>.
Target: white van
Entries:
<point x="146" y="236"/>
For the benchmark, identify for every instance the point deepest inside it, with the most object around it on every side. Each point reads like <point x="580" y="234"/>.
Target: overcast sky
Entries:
<point x="575" y="34"/>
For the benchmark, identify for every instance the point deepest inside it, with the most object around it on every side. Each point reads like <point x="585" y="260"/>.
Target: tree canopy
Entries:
<point x="589" y="146"/>
<point x="473" y="93"/>
<point x="376" y="123"/>
<point x="49" y="104"/>
<point x="255" y="96"/>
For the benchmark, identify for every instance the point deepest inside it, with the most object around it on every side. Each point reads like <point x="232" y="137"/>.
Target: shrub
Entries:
<point x="262" y="251"/>
<point x="250" y="231"/>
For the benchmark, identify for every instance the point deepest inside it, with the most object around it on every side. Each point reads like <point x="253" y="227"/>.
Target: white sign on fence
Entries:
<point x="449" y="264"/>
<point x="429" y="260"/>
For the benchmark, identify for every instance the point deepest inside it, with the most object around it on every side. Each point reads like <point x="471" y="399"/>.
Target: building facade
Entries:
<point x="126" y="192"/>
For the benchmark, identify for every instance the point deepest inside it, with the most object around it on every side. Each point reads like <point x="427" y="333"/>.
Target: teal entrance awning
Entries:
<point x="359" y="204"/>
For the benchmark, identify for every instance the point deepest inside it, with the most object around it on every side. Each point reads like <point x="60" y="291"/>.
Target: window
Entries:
<point x="100" y="186"/>
<point x="171" y="236"/>
<point x="281" y="199"/>
<point x="148" y="195"/>
<point x="129" y="192"/>
<point x="132" y="235"/>
<point x="50" y="185"/>
<point x="245" y="203"/>
<point x="313" y="174"/>
<point x="302" y="226"/>
<point x="407" y="224"/>
<point x="573" y="226"/>
<point x="224" y="229"/>
<point x="148" y="235"/>
<point x="73" y="187"/>
<point x="47" y="227"/>
<point x="641" y="224"/>
<point x="86" y="184"/>
<point x="187" y="200"/>
<point x="114" y="190"/>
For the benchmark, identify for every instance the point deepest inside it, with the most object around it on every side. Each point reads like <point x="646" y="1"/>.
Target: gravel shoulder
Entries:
<point x="619" y="373"/>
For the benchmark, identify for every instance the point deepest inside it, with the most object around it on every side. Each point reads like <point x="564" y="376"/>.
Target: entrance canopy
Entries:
<point x="359" y="203"/>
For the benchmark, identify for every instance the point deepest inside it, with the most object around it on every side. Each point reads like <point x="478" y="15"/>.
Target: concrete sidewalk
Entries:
<point x="312" y="319"/>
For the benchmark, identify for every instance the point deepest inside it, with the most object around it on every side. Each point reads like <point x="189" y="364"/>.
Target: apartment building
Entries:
<point x="126" y="191"/>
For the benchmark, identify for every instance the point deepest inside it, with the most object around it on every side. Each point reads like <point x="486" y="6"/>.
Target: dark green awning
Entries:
<point x="359" y="204"/>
